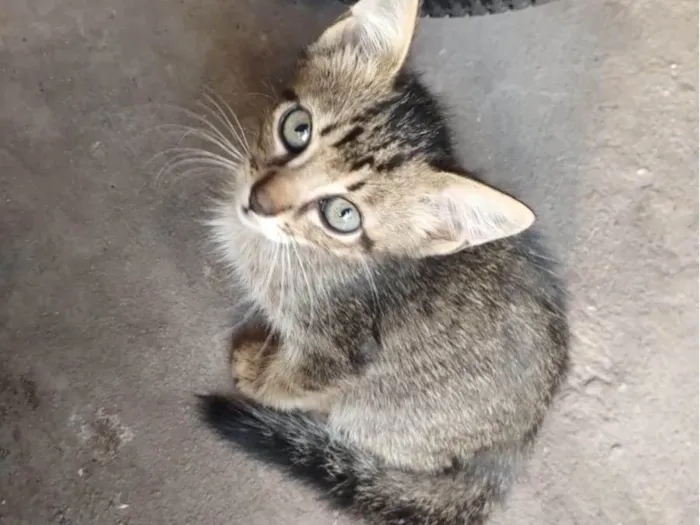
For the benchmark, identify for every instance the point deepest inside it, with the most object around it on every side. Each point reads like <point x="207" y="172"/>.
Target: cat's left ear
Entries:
<point x="463" y="212"/>
<point x="380" y="30"/>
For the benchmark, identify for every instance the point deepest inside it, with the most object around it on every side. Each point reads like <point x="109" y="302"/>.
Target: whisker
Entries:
<point x="208" y="134"/>
<point x="226" y="124"/>
<point x="271" y="89"/>
<point x="265" y="343"/>
<point x="217" y="140"/>
<point x="285" y="276"/>
<point x="187" y="152"/>
<point x="199" y="151"/>
<point x="195" y="173"/>
<point x="263" y="288"/>
<point x="258" y="94"/>
<point x="223" y="111"/>
<point x="252" y="311"/>
<point x="274" y="263"/>
<point x="201" y="119"/>
<point x="309" y="288"/>
<point x="370" y="281"/>
<point x="197" y="163"/>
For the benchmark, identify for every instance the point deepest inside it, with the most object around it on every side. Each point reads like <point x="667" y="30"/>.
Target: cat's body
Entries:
<point x="430" y="340"/>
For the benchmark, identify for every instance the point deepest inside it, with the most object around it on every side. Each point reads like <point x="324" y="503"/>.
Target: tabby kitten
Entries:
<point x="411" y="338"/>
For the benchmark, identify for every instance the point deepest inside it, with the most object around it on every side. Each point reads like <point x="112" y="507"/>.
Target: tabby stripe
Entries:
<point x="393" y="163"/>
<point x="361" y="163"/>
<point x="350" y="136"/>
<point x="329" y="128"/>
<point x="366" y="242"/>
<point x="357" y="186"/>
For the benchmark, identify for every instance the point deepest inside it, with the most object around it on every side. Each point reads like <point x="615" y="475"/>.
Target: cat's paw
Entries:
<point x="250" y="355"/>
<point x="246" y="343"/>
<point x="246" y="366"/>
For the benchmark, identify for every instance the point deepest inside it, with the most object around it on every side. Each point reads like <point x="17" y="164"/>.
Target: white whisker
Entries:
<point x="265" y="343"/>
<point x="217" y="140"/>
<point x="190" y="162"/>
<point x="309" y="288"/>
<point x="370" y="281"/>
<point x="197" y="153"/>
<point x="237" y="137"/>
<point x="222" y="113"/>
<point x="274" y="263"/>
<point x="241" y="323"/>
<point x="184" y="151"/>
<point x="208" y="127"/>
<point x="285" y="278"/>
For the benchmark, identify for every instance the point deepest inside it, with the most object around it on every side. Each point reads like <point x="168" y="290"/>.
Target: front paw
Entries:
<point x="250" y="354"/>
<point x="246" y="366"/>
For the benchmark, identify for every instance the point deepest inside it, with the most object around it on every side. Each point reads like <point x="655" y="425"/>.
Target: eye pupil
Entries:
<point x="302" y="132"/>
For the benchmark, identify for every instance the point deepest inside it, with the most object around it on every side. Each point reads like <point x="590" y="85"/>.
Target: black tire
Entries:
<point x="460" y="8"/>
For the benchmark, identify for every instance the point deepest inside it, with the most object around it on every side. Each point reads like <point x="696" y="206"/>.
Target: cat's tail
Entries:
<point x="356" y="481"/>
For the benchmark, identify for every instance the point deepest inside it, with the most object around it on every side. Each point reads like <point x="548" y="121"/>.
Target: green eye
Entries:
<point x="295" y="130"/>
<point x="340" y="215"/>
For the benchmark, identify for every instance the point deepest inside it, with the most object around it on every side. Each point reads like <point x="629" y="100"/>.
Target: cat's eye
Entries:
<point x="295" y="129"/>
<point x="340" y="215"/>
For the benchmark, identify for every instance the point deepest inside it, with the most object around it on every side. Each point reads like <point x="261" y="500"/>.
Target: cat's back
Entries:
<point x="496" y="312"/>
<point x="484" y="292"/>
<point x="473" y="347"/>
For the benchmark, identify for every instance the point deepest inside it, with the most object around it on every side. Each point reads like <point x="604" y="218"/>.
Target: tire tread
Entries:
<point x="462" y="8"/>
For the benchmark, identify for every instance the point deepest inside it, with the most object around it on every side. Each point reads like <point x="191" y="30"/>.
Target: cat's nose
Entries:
<point x="260" y="201"/>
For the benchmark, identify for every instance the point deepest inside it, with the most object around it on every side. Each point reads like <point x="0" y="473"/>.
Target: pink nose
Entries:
<point x="260" y="201"/>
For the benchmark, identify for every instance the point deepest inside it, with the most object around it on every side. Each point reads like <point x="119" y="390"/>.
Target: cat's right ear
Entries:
<point x="379" y="30"/>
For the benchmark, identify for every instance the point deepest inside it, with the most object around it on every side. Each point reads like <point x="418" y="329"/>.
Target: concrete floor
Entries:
<point x="112" y="312"/>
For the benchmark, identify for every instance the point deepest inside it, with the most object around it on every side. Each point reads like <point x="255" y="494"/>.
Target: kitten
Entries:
<point x="411" y="337"/>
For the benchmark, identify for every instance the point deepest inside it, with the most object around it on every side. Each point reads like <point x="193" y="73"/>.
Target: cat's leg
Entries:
<point x="285" y="378"/>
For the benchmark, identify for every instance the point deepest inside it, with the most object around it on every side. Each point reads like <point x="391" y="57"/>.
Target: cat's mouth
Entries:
<point x="267" y="227"/>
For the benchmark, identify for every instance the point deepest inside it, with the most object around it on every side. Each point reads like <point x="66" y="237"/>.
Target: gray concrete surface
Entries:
<point x="112" y="312"/>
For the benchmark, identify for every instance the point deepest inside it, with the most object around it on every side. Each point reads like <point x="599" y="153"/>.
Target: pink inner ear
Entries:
<point x="443" y="213"/>
<point x="463" y="220"/>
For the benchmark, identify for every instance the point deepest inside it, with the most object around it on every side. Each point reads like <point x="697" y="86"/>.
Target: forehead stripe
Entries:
<point x="350" y="136"/>
<point x="328" y="129"/>
<point x="394" y="162"/>
<point x="361" y="163"/>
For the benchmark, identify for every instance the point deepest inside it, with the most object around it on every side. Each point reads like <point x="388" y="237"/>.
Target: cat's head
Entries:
<point x="357" y="160"/>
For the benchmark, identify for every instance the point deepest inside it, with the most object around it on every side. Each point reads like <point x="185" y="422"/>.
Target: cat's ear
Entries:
<point x="380" y="30"/>
<point x="462" y="212"/>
